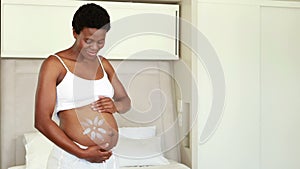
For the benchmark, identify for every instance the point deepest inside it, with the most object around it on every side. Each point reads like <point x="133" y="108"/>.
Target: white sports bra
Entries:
<point x="74" y="91"/>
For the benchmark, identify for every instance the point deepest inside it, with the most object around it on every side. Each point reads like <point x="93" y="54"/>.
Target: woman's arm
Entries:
<point x="121" y="102"/>
<point x="45" y="100"/>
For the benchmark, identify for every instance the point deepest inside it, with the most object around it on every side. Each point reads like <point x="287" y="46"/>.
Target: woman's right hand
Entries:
<point x="96" y="154"/>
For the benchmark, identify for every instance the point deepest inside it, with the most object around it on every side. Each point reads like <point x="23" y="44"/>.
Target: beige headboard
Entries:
<point x="149" y="84"/>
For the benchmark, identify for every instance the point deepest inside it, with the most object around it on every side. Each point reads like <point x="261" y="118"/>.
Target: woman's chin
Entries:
<point x="90" y="55"/>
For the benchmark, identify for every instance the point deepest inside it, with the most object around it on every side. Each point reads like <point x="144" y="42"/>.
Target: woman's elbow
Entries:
<point x="40" y="123"/>
<point x="127" y="105"/>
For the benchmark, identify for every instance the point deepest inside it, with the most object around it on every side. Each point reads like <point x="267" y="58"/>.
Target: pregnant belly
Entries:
<point x="88" y="127"/>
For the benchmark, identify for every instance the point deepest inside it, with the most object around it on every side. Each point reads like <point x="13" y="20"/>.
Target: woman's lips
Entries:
<point x="92" y="53"/>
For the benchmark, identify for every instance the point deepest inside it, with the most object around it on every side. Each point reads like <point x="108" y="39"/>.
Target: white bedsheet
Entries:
<point x="172" y="165"/>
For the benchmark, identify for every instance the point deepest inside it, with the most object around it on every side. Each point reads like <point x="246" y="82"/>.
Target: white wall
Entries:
<point x="258" y="46"/>
<point x="233" y="30"/>
<point x="280" y="87"/>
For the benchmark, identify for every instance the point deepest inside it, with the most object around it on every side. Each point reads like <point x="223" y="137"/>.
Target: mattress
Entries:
<point x="172" y="165"/>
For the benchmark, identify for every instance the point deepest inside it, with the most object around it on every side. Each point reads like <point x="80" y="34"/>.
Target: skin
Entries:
<point x="83" y="55"/>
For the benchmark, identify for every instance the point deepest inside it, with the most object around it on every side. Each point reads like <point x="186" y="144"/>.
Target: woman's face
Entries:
<point x="90" y="41"/>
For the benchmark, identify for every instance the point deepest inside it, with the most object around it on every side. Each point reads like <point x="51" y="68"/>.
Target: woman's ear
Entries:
<point x="74" y="34"/>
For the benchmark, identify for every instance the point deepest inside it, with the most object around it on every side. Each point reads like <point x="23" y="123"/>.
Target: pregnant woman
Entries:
<point x="82" y="90"/>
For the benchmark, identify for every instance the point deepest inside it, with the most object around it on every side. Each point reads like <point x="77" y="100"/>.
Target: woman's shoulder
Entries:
<point x="51" y="60"/>
<point x="52" y="63"/>
<point x="107" y="66"/>
<point x="105" y="62"/>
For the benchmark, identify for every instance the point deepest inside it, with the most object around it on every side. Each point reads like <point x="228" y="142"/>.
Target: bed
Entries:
<point x="20" y="139"/>
<point x="138" y="148"/>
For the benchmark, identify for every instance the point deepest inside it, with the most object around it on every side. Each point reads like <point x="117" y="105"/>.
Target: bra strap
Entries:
<point x="99" y="59"/>
<point x="62" y="62"/>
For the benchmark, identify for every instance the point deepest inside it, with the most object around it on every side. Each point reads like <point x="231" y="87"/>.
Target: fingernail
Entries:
<point x="105" y="145"/>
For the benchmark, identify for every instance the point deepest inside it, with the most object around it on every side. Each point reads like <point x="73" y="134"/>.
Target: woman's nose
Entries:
<point x="94" y="46"/>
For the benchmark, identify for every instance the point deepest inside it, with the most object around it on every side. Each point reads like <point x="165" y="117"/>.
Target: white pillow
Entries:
<point x="138" y="146"/>
<point x="38" y="149"/>
<point x="137" y="132"/>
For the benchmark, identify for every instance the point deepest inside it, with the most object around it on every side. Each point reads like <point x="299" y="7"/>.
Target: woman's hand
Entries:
<point x="104" y="105"/>
<point x="95" y="154"/>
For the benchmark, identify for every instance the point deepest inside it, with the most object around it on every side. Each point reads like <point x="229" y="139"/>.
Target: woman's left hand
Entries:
<point x="104" y="105"/>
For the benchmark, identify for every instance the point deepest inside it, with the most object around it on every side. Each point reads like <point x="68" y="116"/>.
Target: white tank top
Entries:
<point x="74" y="91"/>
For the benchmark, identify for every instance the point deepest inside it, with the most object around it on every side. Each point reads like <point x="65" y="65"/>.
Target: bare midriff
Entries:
<point x="88" y="127"/>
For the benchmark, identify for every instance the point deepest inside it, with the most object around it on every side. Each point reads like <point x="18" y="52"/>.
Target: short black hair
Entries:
<point x="91" y="16"/>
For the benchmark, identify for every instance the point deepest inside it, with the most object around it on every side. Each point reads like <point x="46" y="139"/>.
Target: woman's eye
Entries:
<point x="88" y="41"/>
<point x="100" y="42"/>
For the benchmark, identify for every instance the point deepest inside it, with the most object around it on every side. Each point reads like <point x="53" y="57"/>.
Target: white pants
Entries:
<point x="60" y="159"/>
